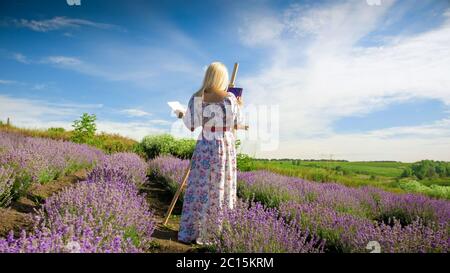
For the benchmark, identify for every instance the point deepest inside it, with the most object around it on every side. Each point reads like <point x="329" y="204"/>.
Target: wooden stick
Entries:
<point x="177" y="194"/>
<point x="233" y="76"/>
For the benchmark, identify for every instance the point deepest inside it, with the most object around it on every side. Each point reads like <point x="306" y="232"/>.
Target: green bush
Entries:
<point x="407" y="173"/>
<point x="244" y="163"/>
<point x="155" y="145"/>
<point x="183" y="148"/>
<point x="56" y="130"/>
<point x="113" y="143"/>
<point x="432" y="190"/>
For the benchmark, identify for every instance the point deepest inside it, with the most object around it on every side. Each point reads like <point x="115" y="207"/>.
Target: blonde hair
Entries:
<point x="216" y="77"/>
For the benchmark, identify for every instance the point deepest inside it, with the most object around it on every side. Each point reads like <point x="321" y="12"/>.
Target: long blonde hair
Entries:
<point x="216" y="77"/>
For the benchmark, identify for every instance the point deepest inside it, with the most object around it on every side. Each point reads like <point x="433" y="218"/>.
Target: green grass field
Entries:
<point x="388" y="169"/>
<point x="385" y="175"/>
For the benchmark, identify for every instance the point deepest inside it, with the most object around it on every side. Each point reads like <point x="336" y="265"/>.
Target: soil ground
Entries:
<point x="165" y="236"/>
<point x="19" y="214"/>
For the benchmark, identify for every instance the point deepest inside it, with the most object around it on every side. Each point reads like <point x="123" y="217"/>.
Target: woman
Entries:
<point x="212" y="179"/>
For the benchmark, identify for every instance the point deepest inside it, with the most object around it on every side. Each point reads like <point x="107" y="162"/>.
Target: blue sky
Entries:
<point x="362" y="80"/>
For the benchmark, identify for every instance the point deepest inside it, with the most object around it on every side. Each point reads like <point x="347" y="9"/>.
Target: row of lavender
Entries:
<point x="27" y="160"/>
<point x="105" y="213"/>
<point x="303" y="216"/>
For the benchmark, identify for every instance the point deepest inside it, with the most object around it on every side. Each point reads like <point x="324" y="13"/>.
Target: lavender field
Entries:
<point x="285" y="214"/>
<point x="105" y="213"/>
<point x="28" y="160"/>
<point x="108" y="211"/>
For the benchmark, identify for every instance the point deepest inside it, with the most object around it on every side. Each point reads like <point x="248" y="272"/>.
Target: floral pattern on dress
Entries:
<point x="212" y="179"/>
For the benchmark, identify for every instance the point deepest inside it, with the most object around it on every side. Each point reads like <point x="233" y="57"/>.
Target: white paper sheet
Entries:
<point x="177" y="106"/>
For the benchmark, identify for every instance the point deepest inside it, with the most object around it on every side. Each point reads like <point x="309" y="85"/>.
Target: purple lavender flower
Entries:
<point x="42" y="160"/>
<point x="347" y="219"/>
<point x="348" y="233"/>
<point x="250" y="227"/>
<point x="170" y="170"/>
<point x="123" y="163"/>
<point x="6" y="185"/>
<point x="105" y="215"/>
<point x="273" y="189"/>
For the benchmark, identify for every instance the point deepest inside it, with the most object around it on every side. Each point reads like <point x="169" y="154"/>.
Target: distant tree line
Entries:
<point x="299" y="160"/>
<point x="428" y="169"/>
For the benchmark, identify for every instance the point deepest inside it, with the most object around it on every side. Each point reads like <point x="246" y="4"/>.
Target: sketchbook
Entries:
<point x="177" y="106"/>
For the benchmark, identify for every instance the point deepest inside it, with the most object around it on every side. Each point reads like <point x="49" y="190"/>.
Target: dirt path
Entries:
<point x="19" y="214"/>
<point x="165" y="237"/>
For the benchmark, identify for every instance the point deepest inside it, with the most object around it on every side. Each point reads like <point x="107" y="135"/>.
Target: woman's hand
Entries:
<point x="179" y="114"/>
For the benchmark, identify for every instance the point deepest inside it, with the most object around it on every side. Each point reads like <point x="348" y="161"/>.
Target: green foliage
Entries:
<point x="84" y="129"/>
<point x="407" y="173"/>
<point x="238" y="143"/>
<point x="56" y="130"/>
<point x="113" y="143"/>
<point x="157" y="145"/>
<point x="432" y="190"/>
<point x="183" y="148"/>
<point x="428" y="169"/>
<point x="244" y="162"/>
<point x="21" y="185"/>
<point x="270" y="196"/>
<point x="132" y="234"/>
<point x="46" y="176"/>
<point x="165" y="144"/>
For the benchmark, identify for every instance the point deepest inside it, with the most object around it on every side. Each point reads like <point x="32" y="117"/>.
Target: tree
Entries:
<point x="407" y="172"/>
<point x="428" y="169"/>
<point x="84" y="128"/>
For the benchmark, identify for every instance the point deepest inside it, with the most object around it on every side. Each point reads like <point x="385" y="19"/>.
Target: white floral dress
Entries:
<point x="212" y="179"/>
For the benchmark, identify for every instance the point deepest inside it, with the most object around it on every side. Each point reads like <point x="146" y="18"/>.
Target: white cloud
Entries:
<point x="80" y="66"/>
<point x="63" y="60"/>
<point x="6" y="81"/>
<point x="20" y="58"/>
<point x="135" y="112"/>
<point x="29" y="113"/>
<point x="39" y="86"/>
<point x="437" y="129"/>
<point x="364" y="146"/>
<point x="140" y="66"/>
<point x="26" y="112"/>
<point x="34" y="86"/>
<point x="61" y="22"/>
<point x="134" y="130"/>
<point x="318" y="73"/>
<point x="160" y="122"/>
<point x="138" y="63"/>
<point x="260" y="30"/>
